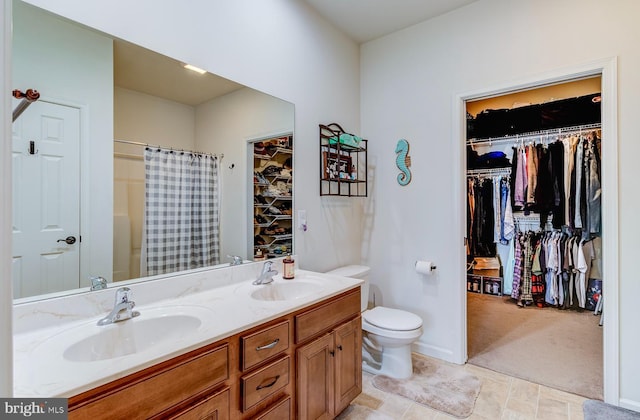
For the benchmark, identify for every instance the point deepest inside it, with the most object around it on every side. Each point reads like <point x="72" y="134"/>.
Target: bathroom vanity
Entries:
<point x="292" y="349"/>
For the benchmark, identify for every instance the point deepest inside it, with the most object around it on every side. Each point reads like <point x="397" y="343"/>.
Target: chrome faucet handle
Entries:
<point x="235" y="259"/>
<point x="122" y="308"/>
<point x="267" y="274"/>
<point x="98" y="283"/>
<point x="122" y="295"/>
<point x="267" y="266"/>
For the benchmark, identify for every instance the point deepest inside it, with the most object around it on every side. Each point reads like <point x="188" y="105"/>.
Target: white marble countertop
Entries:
<point x="41" y="369"/>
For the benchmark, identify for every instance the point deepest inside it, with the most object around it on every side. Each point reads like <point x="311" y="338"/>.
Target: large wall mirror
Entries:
<point x="78" y="165"/>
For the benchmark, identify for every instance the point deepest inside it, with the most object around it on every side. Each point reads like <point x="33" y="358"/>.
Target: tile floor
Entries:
<point x="501" y="397"/>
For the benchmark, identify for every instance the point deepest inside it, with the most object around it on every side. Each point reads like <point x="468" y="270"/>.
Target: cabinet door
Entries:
<point x="348" y="363"/>
<point x="315" y="367"/>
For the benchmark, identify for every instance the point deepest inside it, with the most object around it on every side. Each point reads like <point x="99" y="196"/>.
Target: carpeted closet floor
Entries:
<point x="561" y="349"/>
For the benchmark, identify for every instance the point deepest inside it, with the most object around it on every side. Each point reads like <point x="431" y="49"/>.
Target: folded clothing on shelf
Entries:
<point x="346" y="139"/>
<point x="488" y="160"/>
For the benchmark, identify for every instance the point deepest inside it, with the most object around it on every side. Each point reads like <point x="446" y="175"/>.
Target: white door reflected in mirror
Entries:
<point x="46" y="199"/>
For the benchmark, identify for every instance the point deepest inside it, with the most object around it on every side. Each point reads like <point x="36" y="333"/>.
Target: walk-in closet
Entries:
<point x="534" y="248"/>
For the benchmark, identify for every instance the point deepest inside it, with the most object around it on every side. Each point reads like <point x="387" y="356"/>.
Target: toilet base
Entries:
<point x="394" y="362"/>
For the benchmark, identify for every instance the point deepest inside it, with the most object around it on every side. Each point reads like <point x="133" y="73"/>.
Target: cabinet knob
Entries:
<point x="340" y="347"/>
<point x="332" y="353"/>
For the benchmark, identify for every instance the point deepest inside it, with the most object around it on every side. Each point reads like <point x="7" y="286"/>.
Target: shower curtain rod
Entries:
<point x="137" y="143"/>
<point x="28" y="97"/>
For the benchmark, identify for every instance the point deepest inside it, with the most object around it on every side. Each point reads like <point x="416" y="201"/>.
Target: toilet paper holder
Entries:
<point x="422" y="265"/>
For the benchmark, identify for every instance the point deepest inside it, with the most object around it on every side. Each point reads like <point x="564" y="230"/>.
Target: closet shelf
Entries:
<point x="489" y="172"/>
<point x="280" y="178"/>
<point x="270" y="156"/>
<point x="275" y="218"/>
<point x="534" y="135"/>
<point x="275" y="239"/>
<point x="276" y="197"/>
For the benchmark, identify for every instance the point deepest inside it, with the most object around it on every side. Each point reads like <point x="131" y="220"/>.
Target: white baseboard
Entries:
<point x="630" y="404"/>
<point x="433" y="351"/>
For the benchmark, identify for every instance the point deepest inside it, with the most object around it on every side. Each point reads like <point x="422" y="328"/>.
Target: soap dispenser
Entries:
<point x="288" y="271"/>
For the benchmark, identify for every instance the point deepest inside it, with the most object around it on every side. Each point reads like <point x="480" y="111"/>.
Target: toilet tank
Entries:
<point x="356" y="272"/>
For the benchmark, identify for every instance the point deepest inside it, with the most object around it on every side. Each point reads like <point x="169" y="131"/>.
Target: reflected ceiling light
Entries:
<point x="194" y="68"/>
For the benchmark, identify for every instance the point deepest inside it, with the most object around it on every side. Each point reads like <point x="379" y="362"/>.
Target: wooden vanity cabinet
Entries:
<point x="329" y="367"/>
<point x="160" y="389"/>
<point x="269" y="372"/>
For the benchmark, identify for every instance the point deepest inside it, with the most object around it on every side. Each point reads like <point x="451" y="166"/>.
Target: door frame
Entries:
<point x="607" y="68"/>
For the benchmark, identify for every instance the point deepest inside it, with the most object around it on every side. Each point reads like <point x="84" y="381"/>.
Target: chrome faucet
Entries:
<point x="267" y="274"/>
<point x="98" y="283"/>
<point x="235" y="259"/>
<point x="122" y="309"/>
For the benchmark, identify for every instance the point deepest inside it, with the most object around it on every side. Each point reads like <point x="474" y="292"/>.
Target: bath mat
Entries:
<point x="436" y="385"/>
<point x="597" y="410"/>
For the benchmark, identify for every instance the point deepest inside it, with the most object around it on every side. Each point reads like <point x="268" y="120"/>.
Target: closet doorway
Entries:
<point x="515" y="332"/>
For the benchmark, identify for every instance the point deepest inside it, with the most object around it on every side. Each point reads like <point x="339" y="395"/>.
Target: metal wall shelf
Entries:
<point x="343" y="167"/>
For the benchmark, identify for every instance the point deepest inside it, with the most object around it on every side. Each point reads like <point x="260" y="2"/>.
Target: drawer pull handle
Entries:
<point x="269" y="385"/>
<point x="268" y="346"/>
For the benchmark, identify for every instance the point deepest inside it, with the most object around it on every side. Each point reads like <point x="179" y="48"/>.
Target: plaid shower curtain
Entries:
<point x="182" y="215"/>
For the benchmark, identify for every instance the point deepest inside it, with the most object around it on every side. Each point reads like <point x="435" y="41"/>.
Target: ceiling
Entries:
<point x="364" y="20"/>
<point x="145" y="71"/>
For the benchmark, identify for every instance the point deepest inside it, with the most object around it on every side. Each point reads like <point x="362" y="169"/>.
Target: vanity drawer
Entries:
<point x="215" y="406"/>
<point x="264" y="382"/>
<point x="280" y="411"/>
<point x="155" y="389"/>
<point x="264" y="344"/>
<point x="324" y="317"/>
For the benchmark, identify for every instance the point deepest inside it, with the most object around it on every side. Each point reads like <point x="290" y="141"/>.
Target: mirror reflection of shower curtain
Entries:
<point x="182" y="212"/>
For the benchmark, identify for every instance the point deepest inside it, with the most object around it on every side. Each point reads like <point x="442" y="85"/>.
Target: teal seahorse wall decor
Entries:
<point x="403" y="161"/>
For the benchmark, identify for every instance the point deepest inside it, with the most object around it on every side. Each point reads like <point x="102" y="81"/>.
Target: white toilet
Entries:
<point x="387" y="333"/>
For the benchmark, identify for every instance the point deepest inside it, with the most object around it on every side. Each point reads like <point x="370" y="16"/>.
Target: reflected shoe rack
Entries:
<point x="272" y="196"/>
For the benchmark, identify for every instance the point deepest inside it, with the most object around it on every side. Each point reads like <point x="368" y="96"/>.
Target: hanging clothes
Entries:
<point x="471" y="209"/>
<point x="592" y="187"/>
<point x="517" y="268"/>
<point x="509" y="270"/>
<point x="507" y="226"/>
<point x="483" y="226"/>
<point x="520" y="179"/>
<point x="556" y="150"/>
<point x="560" y="180"/>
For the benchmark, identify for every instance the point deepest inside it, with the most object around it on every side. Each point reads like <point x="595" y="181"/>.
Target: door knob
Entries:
<point x="70" y="240"/>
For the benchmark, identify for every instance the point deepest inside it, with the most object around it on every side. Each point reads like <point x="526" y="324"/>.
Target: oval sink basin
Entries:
<point x="90" y="342"/>
<point x="286" y="291"/>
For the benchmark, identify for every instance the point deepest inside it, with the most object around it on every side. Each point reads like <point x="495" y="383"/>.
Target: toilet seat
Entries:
<point x="392" y="319"/>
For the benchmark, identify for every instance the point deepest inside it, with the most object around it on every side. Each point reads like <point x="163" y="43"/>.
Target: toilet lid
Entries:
<point x="392" y="319"/>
